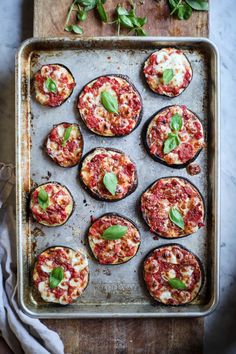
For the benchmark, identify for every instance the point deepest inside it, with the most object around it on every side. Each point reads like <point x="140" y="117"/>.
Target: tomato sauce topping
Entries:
<point x="95" y="115"/>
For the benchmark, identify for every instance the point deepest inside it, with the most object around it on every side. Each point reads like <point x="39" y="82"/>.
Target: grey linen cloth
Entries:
<point x="23" y="334"/>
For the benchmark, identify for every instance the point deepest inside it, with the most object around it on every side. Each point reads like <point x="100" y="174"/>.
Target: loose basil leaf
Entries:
<point x="43" y="199"/>
<point x="126" y="22"/>
<point x="51" y="85"/>
<point x="200" y="5"/>
<point x="56" y="276"/>
<point x="171" y="143"/>
<point x="176" y="217"/>
<point x="68" y="28"/>
<point x="176" y="122"/>
<point x="87" y="4"/>
<point x="67" y="135"/>
<point x="81" y="15"/>
<point x="177" y="284"/>
<point x="114" y="232"/>
<point x="138" y="21"/>
<point x="184" y="12"/>
<point x="110" y="182"/>
<point x="121" y="11"/>
<point x="167" y="76"/>
<point x="140" y="32"/>
<point x="77" y="29"/>
<point x="102" y="12"/>
<point x="173" y="4"/>
<point x="109" y="102"/>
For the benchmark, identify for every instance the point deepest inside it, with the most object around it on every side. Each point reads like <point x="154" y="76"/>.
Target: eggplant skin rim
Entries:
<point x="65" y="67"/>
<point x="158" y="159"/>
<point x="123" y="217"/>
<point x="203" y="273"/>
<point x="31" y="276"/>
<point x="200" y="194"/>
<point x="62" y="185"/>
<point x="82" y="139"/>
<point x="163" y="94"/>
<point x="96" y="196"/>
<point x="126" y="78"/>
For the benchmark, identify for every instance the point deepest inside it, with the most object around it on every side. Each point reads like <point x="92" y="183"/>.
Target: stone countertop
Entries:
<point x="17" y="25"/>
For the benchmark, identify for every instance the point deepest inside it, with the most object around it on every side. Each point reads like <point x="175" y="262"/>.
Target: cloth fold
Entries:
<point x="22" y="333"/>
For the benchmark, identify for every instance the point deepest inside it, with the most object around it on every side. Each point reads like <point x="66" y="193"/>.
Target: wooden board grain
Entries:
<point x="117" y="336"/>
<point x="50" y="17"/>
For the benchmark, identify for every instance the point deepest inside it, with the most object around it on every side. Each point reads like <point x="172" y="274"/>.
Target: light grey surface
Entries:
<point x="110" y="286"/>
<point x="220" y="326"/>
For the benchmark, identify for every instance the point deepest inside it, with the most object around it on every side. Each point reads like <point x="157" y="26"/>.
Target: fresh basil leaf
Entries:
<point x="102" y="12"/>
<point x="140" y="32"/>
<point x="138" y="21"/>
<point x="176" y="122"/>
<point x="171" y="143"/>
<point x="121" y="11"/>
<point x="184" y="12"/>
<point x="43" y="199"/>
<point x="66" y="135"/>
<point x="125" y="21"/>
<point x="68" y="28"/>
<point x="199" y="5"/>
<point x="81" y="15"/>
<point x="51" y="85"/>
<point x="77" y="29"/>
<point x="173" y="4"/>
<point x="177" y="284"/>
<point x="167" y="76"/>
<point x="110" y="182"/>
<point x="87" y="4"/>
<point x="56" y="276"/>
<point x="109" y="102"/>
<point x="176" y="217"/>
<point x="114" y="232"/>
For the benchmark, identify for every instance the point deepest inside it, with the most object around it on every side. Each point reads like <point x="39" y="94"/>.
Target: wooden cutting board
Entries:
<point x="128" y="336"/>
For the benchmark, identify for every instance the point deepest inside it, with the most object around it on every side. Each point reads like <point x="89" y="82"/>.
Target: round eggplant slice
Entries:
<point x="61" y="274"/>
<point x="168" y="72"/>
<point x="174" y="136"/>
<point x="110" y="106"/>
<point x="108" y="174"/>
<point x="173" y="207"/>
<point x="53" y="84"/>
<point x="173" y="275"/>
<point x="65" y="144"/>
<point x="113" y="239"/>
<point x="51" y="204"/>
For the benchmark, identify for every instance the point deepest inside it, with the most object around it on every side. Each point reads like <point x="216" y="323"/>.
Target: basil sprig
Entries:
<point x="114" y="232"/>
<point x="173" y="140"/>
<point x="110" y="102"/>
<point x="182" y="9"/>
<point x="129" y="19"/>
<point x="56" y="276"/>
<point x="171" y="143"/>
<point x="110" y="182"/>
<point x="176" y="217"/>
<point x="51" y="85"/>
<point x="43" y="199"/>
<point x="66" y="135"/>
<point x="167" y="76"/>
<point x="176" y="283"/>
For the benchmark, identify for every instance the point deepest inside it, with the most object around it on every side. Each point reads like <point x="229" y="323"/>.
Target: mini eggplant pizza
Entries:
<point x="108" y="174"/>
<point x="110" y="106"/>
<point x="65" y="144"/>
<point x="51" y="204"/>
<point x="173" y="207"/>
<point x="168" y="72"/>
<point x="113" y="239"/>
<point x="53" y="84"/>
<point x="174" y="136"/>
<point x="61" y="274"/>
<point x="173" y="275"/>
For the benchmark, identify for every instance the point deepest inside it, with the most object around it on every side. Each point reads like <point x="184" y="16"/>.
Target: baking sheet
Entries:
<point x="113" y="290"/>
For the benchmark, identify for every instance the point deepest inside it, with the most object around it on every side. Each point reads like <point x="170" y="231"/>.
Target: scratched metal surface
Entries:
<point x="113" y="290"/>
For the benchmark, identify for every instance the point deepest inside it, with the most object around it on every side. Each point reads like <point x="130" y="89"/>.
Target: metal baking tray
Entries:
<point x="113" y="291"/>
